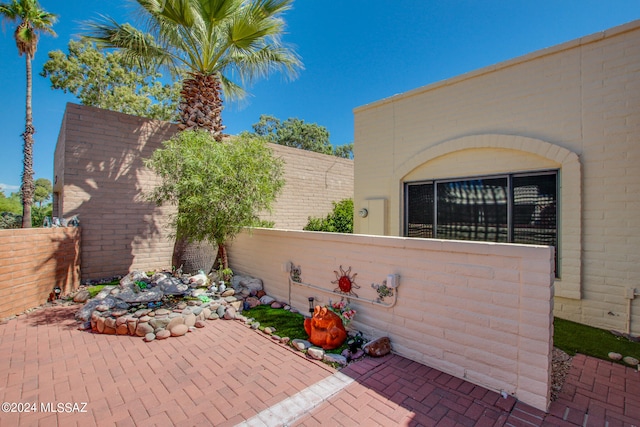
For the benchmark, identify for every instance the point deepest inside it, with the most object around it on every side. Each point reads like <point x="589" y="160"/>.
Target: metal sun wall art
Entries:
<point x="346" y="282"/>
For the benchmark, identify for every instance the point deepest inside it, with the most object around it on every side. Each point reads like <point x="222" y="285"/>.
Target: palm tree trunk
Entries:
<point x="201" y="105"/>
<point x="27" y="172"/>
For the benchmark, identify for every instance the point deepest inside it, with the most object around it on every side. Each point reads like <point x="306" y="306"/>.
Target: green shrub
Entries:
<point x="340" y="220"/>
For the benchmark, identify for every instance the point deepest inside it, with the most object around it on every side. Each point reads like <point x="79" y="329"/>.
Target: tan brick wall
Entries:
<point x="32" y="262"/>
<point x="573" y="107"/>
<point x="99" y="176"/>
<point x="479" y="311"/>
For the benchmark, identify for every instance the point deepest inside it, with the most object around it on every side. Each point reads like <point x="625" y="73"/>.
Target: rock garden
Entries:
<point x="162" y="305"/>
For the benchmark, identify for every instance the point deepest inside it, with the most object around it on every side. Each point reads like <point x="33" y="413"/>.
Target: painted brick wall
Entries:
<point x="573" y="107"/>
<point x="32" y="262"/>
<point x="99" y="176"/>
<point x="479" y="311"/>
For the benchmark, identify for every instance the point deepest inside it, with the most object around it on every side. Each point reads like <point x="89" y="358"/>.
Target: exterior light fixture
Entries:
<point x="311" y="305"/>
<point x="363" y="212"/>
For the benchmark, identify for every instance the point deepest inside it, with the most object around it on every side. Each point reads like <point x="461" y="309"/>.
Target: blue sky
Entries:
<point x="354" y="51"/>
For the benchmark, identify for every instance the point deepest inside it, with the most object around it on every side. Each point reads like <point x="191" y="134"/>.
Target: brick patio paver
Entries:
<point x="227" y="374"/>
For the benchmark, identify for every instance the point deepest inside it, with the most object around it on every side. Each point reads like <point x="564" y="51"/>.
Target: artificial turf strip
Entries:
<point x="286" y="323"/>
<point x="573" y="338"/>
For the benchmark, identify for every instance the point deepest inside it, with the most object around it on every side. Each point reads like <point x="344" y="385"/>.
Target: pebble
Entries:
<point x="190" y="319"/>
<point x="615" y="356"/>
<point x="150" y="337"/>
<point x="143" y="329"/>
<point x="276" y="304"/>
<point x="228" y="293"/>
<point x="200" y="324"/>
<point x="175" y="322"/>
<point x="162" y="312"/>
<point x="269" y="330"/>
<point x="630" y="360"/>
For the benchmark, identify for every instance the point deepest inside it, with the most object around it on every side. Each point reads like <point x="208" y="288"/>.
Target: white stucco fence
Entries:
<point x="479" y="311"/>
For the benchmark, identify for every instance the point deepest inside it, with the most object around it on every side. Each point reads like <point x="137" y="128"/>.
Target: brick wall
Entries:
<point x="99" y="176"/>
<point x="572" y="107"/>
<point x="479" y="311"/>
<point x="32" y="262"/>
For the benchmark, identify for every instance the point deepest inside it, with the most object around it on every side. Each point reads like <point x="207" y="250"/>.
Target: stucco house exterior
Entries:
<point x="540" y="149"/>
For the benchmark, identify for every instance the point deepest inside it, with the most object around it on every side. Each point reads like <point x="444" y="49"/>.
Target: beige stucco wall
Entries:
<point x="479" y="311"/>
<point x="99" y="176"/>
<point x="573" y="107"/>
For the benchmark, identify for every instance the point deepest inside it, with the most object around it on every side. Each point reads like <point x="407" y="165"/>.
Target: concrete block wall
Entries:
<point x="479" y="311"/>
<point x="99" y="176"/>
<point x="573" y="107"/>
<point x="32" y="262"/>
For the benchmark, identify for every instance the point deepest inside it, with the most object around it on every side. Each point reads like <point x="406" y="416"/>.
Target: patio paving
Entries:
<point x="227" y="374"/>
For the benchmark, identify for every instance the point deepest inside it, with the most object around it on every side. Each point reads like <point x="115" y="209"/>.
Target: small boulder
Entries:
<point x="378" y="348"/>
<point x="179" y="330"/>
<point x="82" y="296"/>
<point x="630" y="360"/>
<point x="149" y="337"/>
<point x="615" y="356"/>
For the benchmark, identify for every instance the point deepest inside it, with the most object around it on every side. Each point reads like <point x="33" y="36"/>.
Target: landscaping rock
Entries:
<point x="267" y="300"/>
<point x="615" y="356"/>
<point x="300" y="344"/>
<point x="150" y="337"/>
<point x="316" y="353"/>
<point x="143" y="329"/>
<point x="378" y="348"/>
<point x="335" y="358"/>
<point x="162" y="334"/>
<point x="630" y="361"/>
<point x="179" y="330"/>
<point x="82" y="296"/>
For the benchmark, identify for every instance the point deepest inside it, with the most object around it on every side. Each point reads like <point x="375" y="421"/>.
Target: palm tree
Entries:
<point x="213" y="41"/>
<point x="32" y="20"/>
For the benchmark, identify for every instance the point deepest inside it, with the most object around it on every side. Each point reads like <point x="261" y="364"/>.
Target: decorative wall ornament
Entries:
<point x="383" y="290"/>
<point x="346" y="282"/>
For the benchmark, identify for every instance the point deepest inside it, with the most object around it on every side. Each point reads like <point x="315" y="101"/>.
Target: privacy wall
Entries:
<point x="479" y="311"/>
<point x="573" y="109"/>
<point x="100" y="177"/>
<point x="32" y="262"/>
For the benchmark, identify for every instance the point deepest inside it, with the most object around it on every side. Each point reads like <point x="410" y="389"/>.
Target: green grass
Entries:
<point x="95" y="290"/>
<point x="286" y="323"/>
<point x="573" y="338"/>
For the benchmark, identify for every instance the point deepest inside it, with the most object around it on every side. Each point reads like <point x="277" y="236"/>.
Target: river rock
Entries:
<point x="229" y="313"/>
<point x="315" y="353"/>
<point x="110" y="322"/>
<point x="267" y="300"/>
<point x="630" y="360"/>
<point x="143" y="329"/>
<point x="301" y="344"/>
<point x="179" y="330"/>
<point x="228" y="293"/>
<point x="82" y="296"/>
<point x="175" y="322"/>
<point x="615" y="356"/>
<point x="150" y="337"/>
<point x="122" y="329"/>
<point x="190" y="319"/>
<point x="378" y="348"/>
<point x="100" y="324"/>
<point x="335" y="358"/>
<point x="162" y="334"/>
<point x="252" y="302"/>
<point x="200" y="324"/>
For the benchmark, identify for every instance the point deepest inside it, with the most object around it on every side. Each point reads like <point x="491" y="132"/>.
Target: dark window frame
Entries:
<point x="512" y="232"/>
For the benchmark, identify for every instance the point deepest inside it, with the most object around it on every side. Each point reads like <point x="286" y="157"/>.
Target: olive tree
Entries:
<point x="218" y="187"/>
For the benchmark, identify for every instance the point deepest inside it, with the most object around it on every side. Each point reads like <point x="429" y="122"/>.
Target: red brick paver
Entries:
<point x="226" y="374"/>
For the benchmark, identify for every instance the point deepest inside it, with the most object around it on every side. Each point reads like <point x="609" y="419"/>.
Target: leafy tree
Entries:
<point x="218" y="187"/>
<point x="213" y="40"/>
<point x="109" y="81"/>
<point x="294" y="132"/>
<point x="344" y="151"/>
<point x="43" y="191"/>
<point x="11" y="204"/>
<point x="340" y="220"/>
<point x="32" y="20"/>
